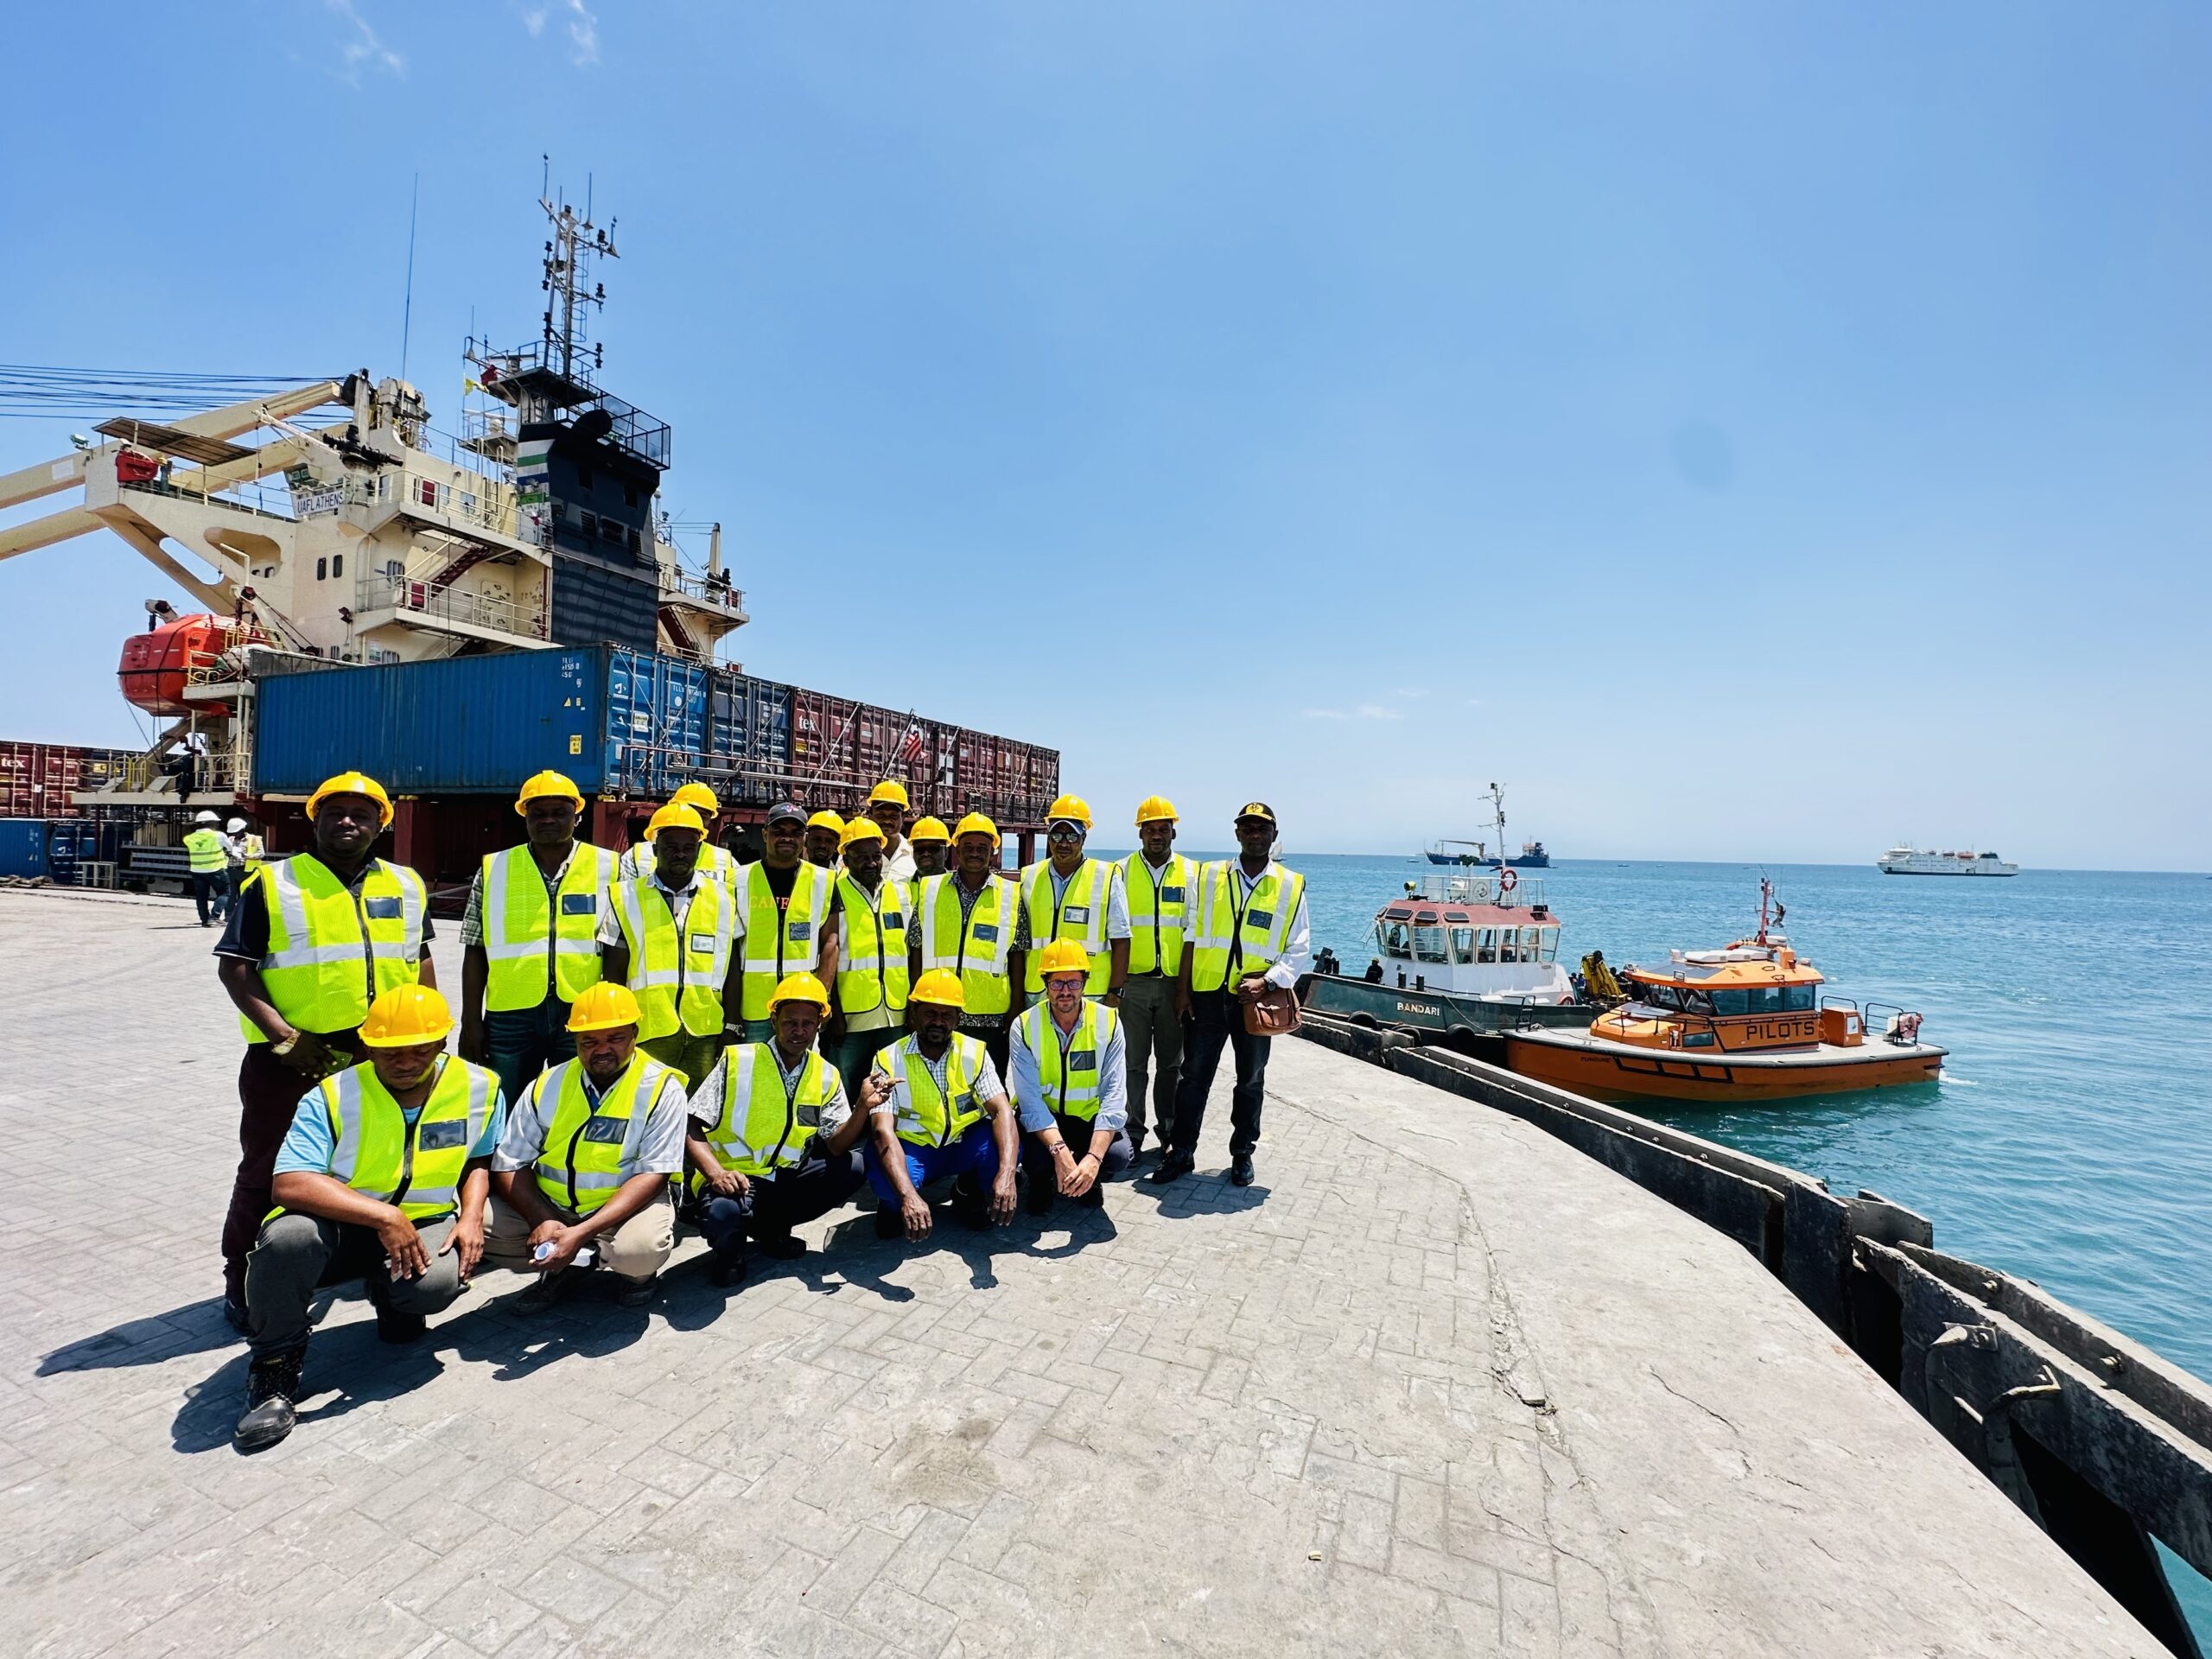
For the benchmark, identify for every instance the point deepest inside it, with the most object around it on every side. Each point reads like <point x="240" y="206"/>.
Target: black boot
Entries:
<point x="781" y="1247"/>
<point x="395" y="1327"/>
<point x="726" y="1265"/>
<point x="969" y="1203"/>
<point x="1042" y="1190"/>
<point x="272" y="1387"/>
<point x="890" y="1220"/>
<point x="1173" y="1167"/>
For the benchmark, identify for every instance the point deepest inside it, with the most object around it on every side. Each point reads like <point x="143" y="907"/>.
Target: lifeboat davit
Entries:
<point x="156" y="664"/>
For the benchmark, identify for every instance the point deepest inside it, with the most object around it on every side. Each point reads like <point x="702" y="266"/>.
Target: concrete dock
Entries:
<point x="1437" y="1384"/>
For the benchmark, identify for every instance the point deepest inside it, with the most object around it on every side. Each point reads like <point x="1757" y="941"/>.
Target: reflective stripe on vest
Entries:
<point x="376" y="1154"/>
<point x="678" y="981"/>
<point x="780" y="942"/>
<point x="764" y="1126"/>
<point x="1078" y="913"/>
<point x="1253" y="932"/>
<point x="580" y="1166"/>
<point x="330" y="951"/>
<point x="871" y="945"/>
<point x="920" y="1115"/>
<point x="206" y="849"/>
<point x="534" y="941"/>
<point x="1070" y="1065"/>
<point x="975" y="944"/>
<point x="1159" y="918"/>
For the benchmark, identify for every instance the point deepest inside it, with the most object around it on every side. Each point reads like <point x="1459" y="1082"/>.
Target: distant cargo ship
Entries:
<point x="1905" y="861"/>
<point x="1474" y="853"/>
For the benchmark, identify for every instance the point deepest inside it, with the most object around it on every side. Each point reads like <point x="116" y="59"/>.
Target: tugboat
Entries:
<point x="1459" y="958"/>
<point x="1746" y="1022"/>
<point x="1533" y="855"/>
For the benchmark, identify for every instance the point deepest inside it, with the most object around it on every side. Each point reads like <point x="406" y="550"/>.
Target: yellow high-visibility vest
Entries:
<point x="205" y="847"/>
<point x="678" y="981"/>
<point x="331" y="951"/>
<point x="1254" y="932"/>
<point x="780" y="942"/>
<point x="1070" y="1066"/>
<point x="536" y="942"/>
<point x="1078" y="913"/>
<point x="976" y="944"/>
<point x="418" y="1169"/>
<point x="580" y="1166"/>
<point x="765" y="1124"/>
<point x="872" y="967"/>
<point x="923" y="1114"/>
<point x="1159" y="912"/>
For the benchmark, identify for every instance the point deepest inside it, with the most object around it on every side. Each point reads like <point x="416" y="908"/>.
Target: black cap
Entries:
<point x="1255" y="810"/>
<point x="782" y="810"/>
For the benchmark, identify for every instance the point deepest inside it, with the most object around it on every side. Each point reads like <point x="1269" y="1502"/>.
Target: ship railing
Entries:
<point x="721" y="594"/>
<point x="245" y="495"/>
<point x="1688" y="1025"/>
<point x="489" y="507"/>
<point x="1894" y="1024"/>
<point x="377" y="590"/>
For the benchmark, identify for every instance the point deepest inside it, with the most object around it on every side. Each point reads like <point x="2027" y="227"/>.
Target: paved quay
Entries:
<point x="1436" y="1385"/>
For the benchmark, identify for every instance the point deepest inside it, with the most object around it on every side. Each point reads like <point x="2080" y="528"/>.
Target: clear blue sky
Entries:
<point x="1744" y="430"/>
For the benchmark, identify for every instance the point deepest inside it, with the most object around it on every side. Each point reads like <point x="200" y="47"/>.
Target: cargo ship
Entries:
<point x="1475" y="854"/>
<point x="453" y="612"/>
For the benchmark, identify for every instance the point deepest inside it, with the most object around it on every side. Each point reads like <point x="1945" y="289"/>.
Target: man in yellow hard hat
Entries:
<point x="788" y="918"/>
<point x="311" y="942"/>
<point x="1066" y="895"/>
<point x="1249" y="928"/>
<point x="529" y="936"/>
<point x="714" y="858"/>
<point x="384" y="1176"/>
<point x="930" y="841"/>
<point x="581" y="1175"/>
<point x="774" y="1141"/>
<point x="673" y="938"/>
<point x="1069" y="1082"/>
<point x="1159" y="883"/>
<point x="941" y="1110"/>
<point x="874" y="916"/>
<point x="888" y="806"/>
<point x="823" y="831"/>
<point x="965" y="923"/>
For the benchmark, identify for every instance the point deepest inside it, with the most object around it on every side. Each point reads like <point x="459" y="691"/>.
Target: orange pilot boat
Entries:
<point x="1747" y="1022"/>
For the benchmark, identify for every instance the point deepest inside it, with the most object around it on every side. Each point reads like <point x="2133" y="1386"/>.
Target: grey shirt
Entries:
<point x="1035" y="1106"/>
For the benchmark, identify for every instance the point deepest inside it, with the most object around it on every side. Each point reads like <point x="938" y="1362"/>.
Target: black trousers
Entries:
<point x="771" y="1208"/>
<point x="1036" y="1163"/>
<point x="210" y="890"/>
<point x="1217" y="1018"/>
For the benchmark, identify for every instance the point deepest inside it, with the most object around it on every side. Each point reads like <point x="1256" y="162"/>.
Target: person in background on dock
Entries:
<point x="873" y="969"/>
<point x="1250" y="928"/>
<point x="887" y="808"/>
<point x="1067" y="896"/>
<point x="210" y="854"/>
<point x="714" y="858"/>
<point x="788" y="921"/>
<point x="823" y="831"/>
<point x="774" y="1141"/>
<point x="964" y="923"/>
<point x="315" y="938"/>
<point x="944" y="1113"/>
<point x="588" y="1156"/>
<point x="1069" y="1085"/>
<point x="384" y="1176"/>
<point x="235" y="845"/>
<point x="1158" y="884"/>
<point x="529" y="936"/>
<point x="931" y="842"/>
<point x="672" y="938"/>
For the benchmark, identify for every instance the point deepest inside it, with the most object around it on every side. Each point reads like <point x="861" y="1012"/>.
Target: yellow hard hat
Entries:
<point x="696" y="795"/>
<point x="929" y="829"/>
<point x="1063" y="956"/>
<point x="859" y="830"/>
<point x="1071" y="806"/>
<point x="799" y="988"/>
<point x="889" y="790"/>
<point x="406" y="1015"/>
<point x="351" y="782"/>
<point x="940" y="986"/>
<point x="603" y="1006"/>
<point x="548" y="786"/>
<point x="1153" y="808"/>
<point x="825" y="819"/>
<point x="673" y="816"/>
<point x="977" y="824"/>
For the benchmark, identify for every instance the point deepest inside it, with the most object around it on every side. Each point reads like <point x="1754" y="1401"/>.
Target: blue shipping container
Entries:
<point x="23" y="847"/>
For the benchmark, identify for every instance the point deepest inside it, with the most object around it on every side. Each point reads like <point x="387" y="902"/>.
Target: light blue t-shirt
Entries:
<point x="310" y="1143"/>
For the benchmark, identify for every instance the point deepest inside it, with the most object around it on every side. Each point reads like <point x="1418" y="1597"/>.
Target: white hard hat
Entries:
<point x="207" y="817"/>
<point x="235" y="825"/>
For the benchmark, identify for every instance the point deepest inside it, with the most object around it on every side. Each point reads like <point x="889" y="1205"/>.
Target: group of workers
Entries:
<point x="220" y="855"/>
<point x="673" y="1036"/>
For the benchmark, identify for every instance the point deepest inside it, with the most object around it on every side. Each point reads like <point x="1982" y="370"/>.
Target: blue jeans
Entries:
<point x="519" y="1043"/>
<point x="975" y="1153"/>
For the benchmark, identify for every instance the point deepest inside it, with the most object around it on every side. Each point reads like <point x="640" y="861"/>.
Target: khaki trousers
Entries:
<point x="636" y="1249"/>
<point x="1152" y="1039"/>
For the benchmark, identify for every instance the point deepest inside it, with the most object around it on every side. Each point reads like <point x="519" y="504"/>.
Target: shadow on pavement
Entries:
<point x="1205" y="1194"/>
<point x="196" y="1328"/>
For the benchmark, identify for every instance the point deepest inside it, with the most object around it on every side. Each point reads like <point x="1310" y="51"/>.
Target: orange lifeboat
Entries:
<point x="157" y="663"/>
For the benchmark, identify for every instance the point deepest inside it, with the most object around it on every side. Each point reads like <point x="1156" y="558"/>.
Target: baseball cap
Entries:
<point x="1256" y="809"/>
<point x="782" y="810"/>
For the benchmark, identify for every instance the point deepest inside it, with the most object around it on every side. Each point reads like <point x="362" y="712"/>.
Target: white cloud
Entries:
<point x="1376" y="711"/>
<point x="533" y="19"/>
<point x="365" y="50"/>
<point x="1410" y="693"/>
<point x="583" y="35"/>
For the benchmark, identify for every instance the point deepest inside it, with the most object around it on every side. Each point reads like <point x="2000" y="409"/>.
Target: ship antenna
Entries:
<point x="407" y="305"/>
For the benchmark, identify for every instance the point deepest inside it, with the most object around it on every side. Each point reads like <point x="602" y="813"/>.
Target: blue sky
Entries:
<point x="1745" y="431"/>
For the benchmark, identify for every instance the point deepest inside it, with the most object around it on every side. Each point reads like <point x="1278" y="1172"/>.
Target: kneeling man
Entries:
<point x="1070" y="1085"/>
<point x="773" y="1139"/>
<point x="940" y="1110"/>
<point x="383" y="1178"/>
<point x="582" y="1176"/>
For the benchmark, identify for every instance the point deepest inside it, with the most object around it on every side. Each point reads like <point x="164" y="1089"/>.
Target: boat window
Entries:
<point x="1505" y="950"/>
<point x="1764" y="999"/>
<point x="1731" y="1001"/>
<point x="1551" y="945"/>
<point x="1530" y="950"/>
<point x="1397" y="941"/>
<point x="1463" y="945"/>
<point x="1657" y="996"/>
<point x="1697" y="1002"/>
<point x="1486" y="945"/>
<point x="1428" y="945"/>
<point x="1797" y="999"/>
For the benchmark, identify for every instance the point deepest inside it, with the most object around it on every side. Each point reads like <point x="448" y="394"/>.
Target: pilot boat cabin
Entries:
<point x="1478" y="935"/>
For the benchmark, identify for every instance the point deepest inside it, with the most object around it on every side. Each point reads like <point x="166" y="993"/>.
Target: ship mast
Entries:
<point x="570" y="293"/>
<point x="1497" y="802"/>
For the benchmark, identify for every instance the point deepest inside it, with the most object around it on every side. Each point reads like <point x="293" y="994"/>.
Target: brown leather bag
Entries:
<point x="1272" y="1011"/>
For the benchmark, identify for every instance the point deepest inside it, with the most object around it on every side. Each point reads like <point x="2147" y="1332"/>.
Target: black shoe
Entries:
<point x="726" y="1268"/>
<point x="234" y="1316"/>
<point x="637" y="1292"/>
<point x="1039" y="1199"/>
<point x="784" y="1247"/>
<point x="1173" y="1167"/>
<point x="969" y="1203"/>
<point x="1240" y="1170"/>
<point x="549" y="1288"/>
<point x="271" y="1387"/>
<point x="1095" y="1198"/>
<point x="890" y="1220"/>
<point x="394" y="1326"/>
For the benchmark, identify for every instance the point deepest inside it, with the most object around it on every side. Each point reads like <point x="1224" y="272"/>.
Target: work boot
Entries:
<point x="1173" y="1167"/>
<point x="1039" y="1199"/>
<point x="272" y="1387"/>
<point x="1095" y="1198"/>
<point x="395" y="1325"/>
<point x="781" y="1247"/>
<point x="1240" y="1170"/>
<point x="725" y="1266"/>
<point x="970" y="1204"/>
<point x="235" y="1314"/>
<point x="549" y="1288"/>
<point x="890" y="1220"/>
<point x="637" y="1292"/>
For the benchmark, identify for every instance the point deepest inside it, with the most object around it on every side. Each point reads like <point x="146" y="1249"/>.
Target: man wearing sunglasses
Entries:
<point x="1067" y="896"/>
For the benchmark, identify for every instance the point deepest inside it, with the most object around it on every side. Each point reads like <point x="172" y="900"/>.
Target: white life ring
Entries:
<point x="1507" y="881"/>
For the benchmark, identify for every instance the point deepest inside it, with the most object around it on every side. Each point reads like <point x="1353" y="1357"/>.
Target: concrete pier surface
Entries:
<point x="1437" y="1384"/>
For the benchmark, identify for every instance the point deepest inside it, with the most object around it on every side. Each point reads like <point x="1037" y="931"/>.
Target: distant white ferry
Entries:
<point x="1905" y="861"/>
